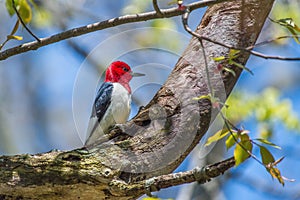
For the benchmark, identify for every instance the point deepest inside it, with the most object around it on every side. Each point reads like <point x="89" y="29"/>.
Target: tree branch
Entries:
<point x="201" y="175"/>
<point x="159" y="138"/>
<point x="185" y="18"/>
<point x="156" y="7"/>
<point x="166" y="13"/>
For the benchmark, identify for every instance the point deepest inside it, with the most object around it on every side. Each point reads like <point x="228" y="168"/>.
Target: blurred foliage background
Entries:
<point x="46" y="95"/>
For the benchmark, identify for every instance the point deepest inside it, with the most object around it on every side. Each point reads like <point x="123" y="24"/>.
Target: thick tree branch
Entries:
<point x="165" y="13"/>
<point x="78" y="166"/>
<point x="163" y="133"/>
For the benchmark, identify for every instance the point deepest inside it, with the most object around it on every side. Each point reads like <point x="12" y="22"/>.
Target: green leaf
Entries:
<point x="230" y="71"/>
<point x="287" y="22"/>
<point x="9" y="7"/>
<point x="15" y="28"/>
<point x="23" y="8"/>
<point x="233" y="53"/>
<point x="266" y="155"/>
<point x="295" y="35"/>
<point x="14" y="37"/>
<point x="244" y="135"/>
<point x="231" y="62"/>
<point x="151" y="198"/>
<point x="203" y="97"/>
<point x="231" y="140"/>
<point x="265" y="141"/>
<point x="217" y="136"/>
<point x="241" y="151"/>
<point x="218" y="59"/>
<point x="25" y="11"/>
<point x="290" y="25"/>
<point x="173" y="2"/>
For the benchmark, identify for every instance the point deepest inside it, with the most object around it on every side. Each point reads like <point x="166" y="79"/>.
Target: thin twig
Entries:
<point x="236" y="141"/>
<point x="23" y="23"/>
<point x="272" y="40"/>
<point x="167" y="13"/>
<point x="185" y="17"/>
<point x="156" y="7"/>
<point x="13" y="31"/>
<point x="202" y="175"/>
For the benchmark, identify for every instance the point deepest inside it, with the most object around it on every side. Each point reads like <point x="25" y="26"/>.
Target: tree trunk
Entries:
<point x="163" y="133"/>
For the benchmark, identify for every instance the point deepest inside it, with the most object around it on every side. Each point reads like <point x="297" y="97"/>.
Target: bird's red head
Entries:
<point x="120" y="72"/>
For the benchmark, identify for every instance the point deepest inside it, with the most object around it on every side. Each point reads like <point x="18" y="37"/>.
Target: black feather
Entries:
<point x="102" y="101"/>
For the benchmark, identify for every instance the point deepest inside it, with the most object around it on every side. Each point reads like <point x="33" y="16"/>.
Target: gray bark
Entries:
<point x="159" y="138"/>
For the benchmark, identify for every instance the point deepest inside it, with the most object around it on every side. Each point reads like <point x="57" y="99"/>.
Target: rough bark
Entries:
<point x="159" y="138"/>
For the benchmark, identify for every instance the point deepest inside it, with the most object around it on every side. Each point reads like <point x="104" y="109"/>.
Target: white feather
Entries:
<point x="117" y="113"/>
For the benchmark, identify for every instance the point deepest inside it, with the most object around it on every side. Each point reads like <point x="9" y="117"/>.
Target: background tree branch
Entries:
<point x="162" y="134"/>
<point x="165" y="13"/>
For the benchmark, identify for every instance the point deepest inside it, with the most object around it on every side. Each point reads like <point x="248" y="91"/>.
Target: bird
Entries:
<point x="113" y="101"/>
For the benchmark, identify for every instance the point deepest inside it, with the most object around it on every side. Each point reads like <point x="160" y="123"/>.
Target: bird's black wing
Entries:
<point x="102" y="101"/>
<point x="101" y="104"/>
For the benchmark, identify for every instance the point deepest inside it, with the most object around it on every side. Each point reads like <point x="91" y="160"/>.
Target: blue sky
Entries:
<point x="42" y="91"/>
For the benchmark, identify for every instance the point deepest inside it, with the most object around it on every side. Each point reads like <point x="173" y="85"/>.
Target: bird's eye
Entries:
<point x="125" y="69"/>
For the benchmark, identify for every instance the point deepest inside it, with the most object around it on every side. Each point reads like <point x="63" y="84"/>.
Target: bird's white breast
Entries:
<point x="120" y="103"/>
<point x="117" y="113"/>
<point x="119" y="108"/>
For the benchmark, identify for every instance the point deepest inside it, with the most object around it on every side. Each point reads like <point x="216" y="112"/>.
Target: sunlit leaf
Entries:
<point x="217" y="136"/>
<point x="14" y="37"/>
<point x="25" y="11"/>
<point x="266" y="155"/>
<point x="15" y="28"/>
<point x="23" y="8"/>
<point x="231" y="62"/>
<point x="241" y="151"/>
<point x="233" y="53"/>
<point x="265" y="131"/>
<point x="293" y="32"/>
<point x="203" y="97"/>
<point x="42" y="17"/>
<point x="218" y="59"/>
<point x="244" y="135"/>
<point x="173" y="2"/>
<point x="229" y="70"/>
<point x="287" y="22"/>
<point x="290" y="25"/>
<point x="11" y="35"/>
<point x="265" y="141"/>
<point x="9" y="7"/>
<point x="150" y="198"/>
<point x="231" y="140"/>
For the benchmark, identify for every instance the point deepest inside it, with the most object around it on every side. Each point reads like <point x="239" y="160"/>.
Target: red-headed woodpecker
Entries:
<point x="112" y="103"/>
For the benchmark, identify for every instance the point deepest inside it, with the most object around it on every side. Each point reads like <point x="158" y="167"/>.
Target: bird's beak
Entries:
<point x="135" y="74"/>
